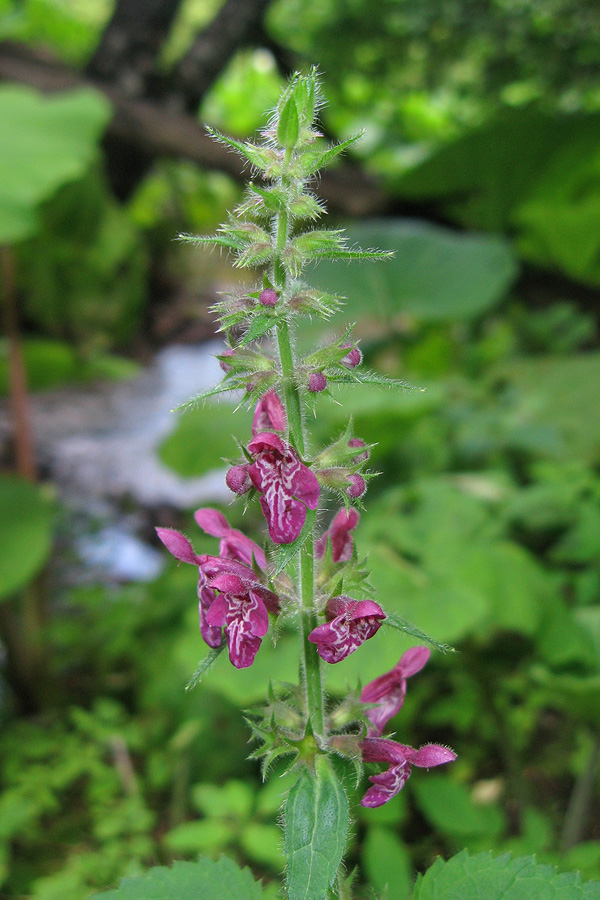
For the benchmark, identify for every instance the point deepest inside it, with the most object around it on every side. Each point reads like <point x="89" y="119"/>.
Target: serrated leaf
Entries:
<point x="366" y="376"/>
<point x="395" y="621"/>
<point x="257" y="156"/>
<point x="350" y="254"/>
<point x="288" y="127"/>
<point x="313" y="160"/>
<point x="289" y="551"/>
<point x="316" y="827"/>
<point x="259" y="325"/>
<point x="228" y="241"/>
<point x="466" y="877"/>
<point x="204" y="665"/>
<point x="207" y="878"/>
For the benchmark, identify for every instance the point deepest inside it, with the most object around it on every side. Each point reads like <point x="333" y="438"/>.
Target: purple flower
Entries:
<point x="287" y="486"/>
<point x="342" y="544"/>
<point x="242" y="601"/>
<point x="401" y="759"/>
<point x="350" y="623"/>
<point x="241" y="609"/>
<point x="360" y="457"/>
<point x="234" y="544"/>
<point x="269" y="414"/>
<point x="389" y="690"/>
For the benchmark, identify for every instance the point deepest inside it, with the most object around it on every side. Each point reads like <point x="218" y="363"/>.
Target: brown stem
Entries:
<point x="19" y="397"/>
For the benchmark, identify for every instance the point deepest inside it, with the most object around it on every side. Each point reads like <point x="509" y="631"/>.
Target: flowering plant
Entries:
<point x="307" y="572"/>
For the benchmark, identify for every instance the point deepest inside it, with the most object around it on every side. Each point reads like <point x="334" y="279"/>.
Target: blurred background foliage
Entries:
<point x="480" y="167"/>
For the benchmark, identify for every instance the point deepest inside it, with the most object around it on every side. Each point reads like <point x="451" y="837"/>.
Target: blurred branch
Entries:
<point x="127" y="52"/>
<point x="149" y="129"/>
<point x="237" y="24"/>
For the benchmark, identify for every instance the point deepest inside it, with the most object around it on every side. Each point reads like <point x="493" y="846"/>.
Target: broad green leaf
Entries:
<point x="203" y="438"/>
<point x="25" y="533"/>
<point x="450" y="809"/>
<point x="435" y="274"/>
<point x="561" y="393"/>
<point x="485" y="877"/>
<point x="262" y="844"/>
<point x="234" y="799"/>
<point x="316" y="827"/>
<point x="44" y="143"/>
<point x="387" y="863"/>
<point x="202" y="880"/>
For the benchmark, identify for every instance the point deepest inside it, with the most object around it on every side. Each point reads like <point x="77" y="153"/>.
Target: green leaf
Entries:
<point x="228" y="241"/>
<point x="560" y="393"/>
<point x="288" y="127"/>
<point x="25" y="533"/>
<point x="259" y="325"/>
<point x="202" y="880"/>
<point x="204" y="836"/>
<point x="202" y="438"/>
<point x="205" y="664"/>
<point x="435" y="275"/>
<point x="316" y="827"/>
<point x="45" y="142"/>
<point x="256" y="156"/>
<point x="313" y="160"/>
<point x="402" y="625"/>
<point x="387" y="863"/>
<point x="450" y="809"/>
<point x="466" y="877"/>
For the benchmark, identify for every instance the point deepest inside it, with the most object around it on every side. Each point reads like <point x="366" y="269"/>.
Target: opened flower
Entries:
<point x="342" y="544"/>
<point x="401" y="759"/>
<point x="350" y="623"/>
<point x="242" y="601"/>
<point x="389" y="690"/>
<point x="288" y="487"/>
<point x="241" y="608"/>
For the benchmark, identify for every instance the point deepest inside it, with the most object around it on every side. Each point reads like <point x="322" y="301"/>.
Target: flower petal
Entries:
<point x="433" y="755"/>
<point x="177" y="544"/>
<point x="413" y="660"/>
<point x="212" y="521"/>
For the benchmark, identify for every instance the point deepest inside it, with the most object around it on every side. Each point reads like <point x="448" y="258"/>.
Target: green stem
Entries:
<point x="311" y="662"/>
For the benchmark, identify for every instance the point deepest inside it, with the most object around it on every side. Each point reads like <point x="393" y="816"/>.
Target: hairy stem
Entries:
<point x="310" y="660"/>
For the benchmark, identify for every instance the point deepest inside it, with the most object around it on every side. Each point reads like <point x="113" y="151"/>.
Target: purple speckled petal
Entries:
<point x="229" y="584"/>
<point x="212" y="521"/>
<point x="387" y="708"/>
<point x="211" y="635"/>
<point x="285" y="516"/>
<point x="234" y="544"/>
<point x="177" y="544"/>
<point x="386" y="785"/>
<point x="264" y="441"/>
<point x="305" y="486"/>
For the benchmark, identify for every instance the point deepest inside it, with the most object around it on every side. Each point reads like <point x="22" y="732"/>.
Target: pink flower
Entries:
<point x="342" y="544"/>
<point x="389" y="690"/>
<point x="360" y="457"/>
<point x="241" y="608"/>
<point x="234" y="544"/>
<point x="269" y="414"/>
<point x="268" y="297"/>
<point x="353" y="358"/>
<point x="401" y="759"/>
<point x="350" y="623"/>
<point x="287" y="486"/>
<point x="241" y="600"/>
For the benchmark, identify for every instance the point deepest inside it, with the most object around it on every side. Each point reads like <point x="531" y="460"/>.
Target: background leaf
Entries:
<point x="25" y="532"/>
<point x="222" y="880"/>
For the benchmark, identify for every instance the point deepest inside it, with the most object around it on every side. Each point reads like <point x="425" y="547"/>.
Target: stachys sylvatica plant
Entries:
<point x="308" y="574"/>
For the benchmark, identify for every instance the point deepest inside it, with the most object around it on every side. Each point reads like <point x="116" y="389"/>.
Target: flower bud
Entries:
<point x="357" y="486"/>
<point x="223" y="363"/>
<point x="268" y="297"/>
<point x="316" y="382"/>
<point x="238" y="480"/>
<point x="360" y="457"/>
<point x="352" y="359"/>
